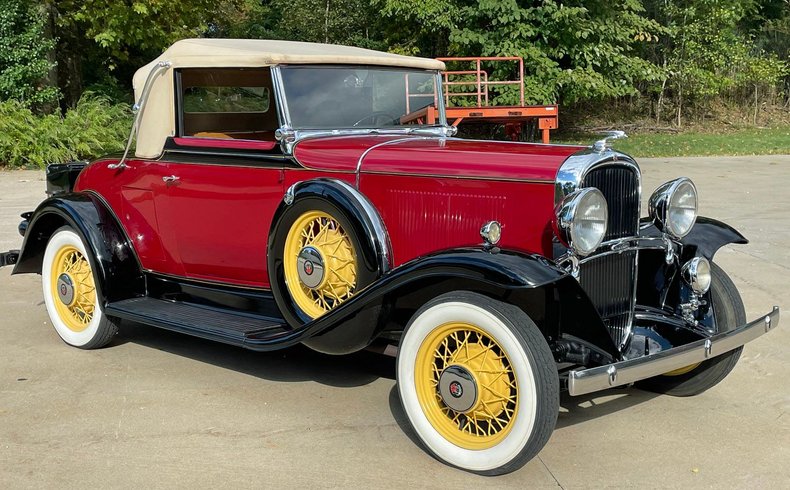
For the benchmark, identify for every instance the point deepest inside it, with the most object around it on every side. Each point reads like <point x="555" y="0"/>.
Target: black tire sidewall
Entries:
<point x="729" y="313"/>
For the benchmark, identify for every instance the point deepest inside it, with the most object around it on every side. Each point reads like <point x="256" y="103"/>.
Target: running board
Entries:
<point x="231" y="327"/>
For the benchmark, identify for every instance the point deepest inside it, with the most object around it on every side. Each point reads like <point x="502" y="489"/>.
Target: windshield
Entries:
<point x="341" y="97"/>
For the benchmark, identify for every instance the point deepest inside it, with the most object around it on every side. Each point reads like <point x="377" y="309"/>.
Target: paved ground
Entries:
<point x="157" y="409"/>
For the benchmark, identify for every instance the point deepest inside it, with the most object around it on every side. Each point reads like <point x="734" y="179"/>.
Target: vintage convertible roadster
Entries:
<point x="283" y="193"/>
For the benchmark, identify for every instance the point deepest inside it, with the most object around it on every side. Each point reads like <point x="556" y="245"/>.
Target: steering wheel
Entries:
<point x="376" y="116"/>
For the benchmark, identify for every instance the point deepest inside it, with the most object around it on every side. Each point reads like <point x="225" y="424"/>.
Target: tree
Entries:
<point x="573" y="50"/>
<point x="705" y="52"/>
<point x="24" y="50"/>
<point x="101" y="37"/>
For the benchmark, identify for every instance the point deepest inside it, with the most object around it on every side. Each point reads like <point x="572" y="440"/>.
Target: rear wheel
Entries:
<point x="70" y="295"/>
<point x="478" y="383"/>
<point x="697" y="378"/>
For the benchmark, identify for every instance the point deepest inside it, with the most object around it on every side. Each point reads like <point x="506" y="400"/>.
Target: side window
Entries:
<point x="227" y="103"/>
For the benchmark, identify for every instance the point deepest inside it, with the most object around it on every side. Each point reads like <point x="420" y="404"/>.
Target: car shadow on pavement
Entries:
<point x="296" y="363"/>
<point x="573" y="409"/>
<point x="578" y="409"/>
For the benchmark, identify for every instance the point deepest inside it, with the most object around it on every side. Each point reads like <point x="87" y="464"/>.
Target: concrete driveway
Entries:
<point x="156" y="409"/>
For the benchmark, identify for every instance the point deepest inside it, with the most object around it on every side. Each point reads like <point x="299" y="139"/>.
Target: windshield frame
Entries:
<point x="288" y="135"/>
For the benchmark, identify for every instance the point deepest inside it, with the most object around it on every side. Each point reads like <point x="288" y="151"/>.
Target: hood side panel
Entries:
<point x="492" y="160"/>
<point x="428" y="214"/>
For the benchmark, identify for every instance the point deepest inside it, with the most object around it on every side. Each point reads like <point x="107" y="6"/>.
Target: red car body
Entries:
<point x="432" y="194"/>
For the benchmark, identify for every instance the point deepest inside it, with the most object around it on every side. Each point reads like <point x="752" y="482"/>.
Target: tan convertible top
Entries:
<point x="157" y="121"/>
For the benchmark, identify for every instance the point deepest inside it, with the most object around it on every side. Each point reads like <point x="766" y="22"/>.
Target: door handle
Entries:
<point x="169" y="179"/>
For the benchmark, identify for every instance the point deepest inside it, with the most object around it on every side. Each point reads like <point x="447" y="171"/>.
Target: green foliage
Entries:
<point x="352" y="22"/>
<point x="705" y="52"/>
<point x="122" y="28"/>
<point x="93" y="128"/>
<point x="573" y="50"/>
<point x="23" y="54"/>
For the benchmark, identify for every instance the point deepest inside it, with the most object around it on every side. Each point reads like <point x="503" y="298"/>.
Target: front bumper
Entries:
<point x="599" y="378"/>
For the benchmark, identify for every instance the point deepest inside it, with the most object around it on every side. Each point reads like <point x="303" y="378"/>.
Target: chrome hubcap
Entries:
<point x="458" y="388"/>
<point x="310" y="265"/>
<point x="65" y="289"/>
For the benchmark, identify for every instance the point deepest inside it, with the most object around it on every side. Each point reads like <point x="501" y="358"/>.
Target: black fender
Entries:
<point x="112" y="257"/>
<point x="660" y="285"/>
<point x="706" y="237"/>
<point x="552" y="298"/>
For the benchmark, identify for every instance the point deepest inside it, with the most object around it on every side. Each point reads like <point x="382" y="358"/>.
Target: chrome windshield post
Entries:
<point x="138" y="108"/>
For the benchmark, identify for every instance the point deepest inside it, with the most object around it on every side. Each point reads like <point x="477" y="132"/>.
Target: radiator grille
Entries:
<point x="620" y="187"/>
<point x="609" y="279"/>
<point x="609" y="282"/>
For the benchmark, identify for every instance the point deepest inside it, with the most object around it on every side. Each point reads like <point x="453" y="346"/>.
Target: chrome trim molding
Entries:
<point x="599" y="378"/>
<point x="572" y="172"/>
<point x="365" y="153"/>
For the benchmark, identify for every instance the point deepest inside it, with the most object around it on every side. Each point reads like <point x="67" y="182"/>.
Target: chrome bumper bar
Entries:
<point x="584" y="381"/>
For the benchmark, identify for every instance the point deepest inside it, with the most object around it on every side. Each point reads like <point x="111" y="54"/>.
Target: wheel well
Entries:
<point x="36" y="242"/>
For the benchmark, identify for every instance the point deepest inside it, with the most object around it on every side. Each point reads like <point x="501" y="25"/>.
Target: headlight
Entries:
<point x="673" y="207"/>
<point x="581" y="220"/>
<point x="696" y="273"/>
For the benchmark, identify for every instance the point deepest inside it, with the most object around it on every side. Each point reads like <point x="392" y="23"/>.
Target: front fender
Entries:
<point x="112" y="256"/>
<point x="706" y="237"/>
<point x="549" y="295"/>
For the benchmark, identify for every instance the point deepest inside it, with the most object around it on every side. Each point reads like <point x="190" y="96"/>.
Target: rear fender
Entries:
<point x="112" y="256"/>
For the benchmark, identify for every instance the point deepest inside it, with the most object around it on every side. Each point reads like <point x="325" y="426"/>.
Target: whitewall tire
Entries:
<point x="72" y="300"/>
<point x="478" y="383"/>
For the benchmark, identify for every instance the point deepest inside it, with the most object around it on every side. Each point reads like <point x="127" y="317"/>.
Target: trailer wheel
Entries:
<point x="478" y="383"/>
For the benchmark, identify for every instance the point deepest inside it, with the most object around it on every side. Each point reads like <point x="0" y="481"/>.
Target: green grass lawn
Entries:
<point x="770" y="141"/>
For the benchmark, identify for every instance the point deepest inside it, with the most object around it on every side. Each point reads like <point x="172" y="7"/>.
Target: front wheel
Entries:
<point x="478" y="383"/>
<point x="697" y="378"/>
<point x="70" y="294"/>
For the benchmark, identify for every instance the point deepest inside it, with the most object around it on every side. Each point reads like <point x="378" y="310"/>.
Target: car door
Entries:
<point x="220" y="216"/>
<point x="224" y="174"/>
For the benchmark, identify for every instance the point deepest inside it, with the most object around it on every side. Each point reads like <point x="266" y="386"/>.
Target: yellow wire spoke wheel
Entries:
<point x="320" y="263"/>
<point x="683" y="370"/>
<point x="478" y="382"/>
<point x="466" y="386"/>
<point x="72" y="288"/>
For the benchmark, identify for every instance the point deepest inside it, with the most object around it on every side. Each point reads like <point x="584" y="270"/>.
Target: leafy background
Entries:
<point x="650" y="65"/>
